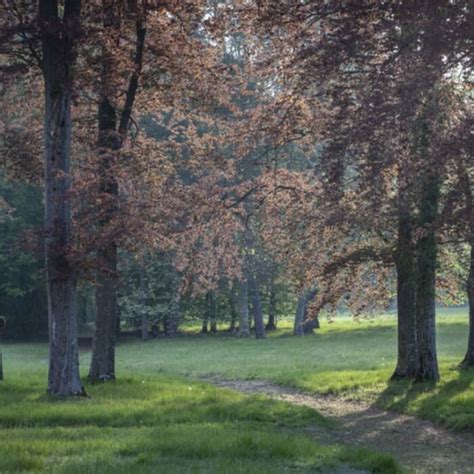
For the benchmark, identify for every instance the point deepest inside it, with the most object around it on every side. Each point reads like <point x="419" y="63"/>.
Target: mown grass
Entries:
<point x="162" y="423"/>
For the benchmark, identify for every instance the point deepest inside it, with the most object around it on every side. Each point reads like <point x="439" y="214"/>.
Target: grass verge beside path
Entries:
<point x="343" y="358"/>
<point x="163" y="424"/>
<point x="154" y="420"/>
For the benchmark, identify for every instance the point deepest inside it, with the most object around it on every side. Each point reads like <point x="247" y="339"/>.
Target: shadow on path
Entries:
<point x="416" y="444"/>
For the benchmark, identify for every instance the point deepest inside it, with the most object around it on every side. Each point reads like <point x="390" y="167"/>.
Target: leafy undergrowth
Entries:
<point x="163" y="424"/>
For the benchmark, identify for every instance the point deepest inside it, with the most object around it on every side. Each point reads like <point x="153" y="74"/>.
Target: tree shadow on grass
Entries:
<point x="449" y="403"/>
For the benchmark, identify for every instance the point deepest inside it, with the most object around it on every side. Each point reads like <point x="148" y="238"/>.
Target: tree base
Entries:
<point x="467" y="362"/>
<point x="101" y="378"/>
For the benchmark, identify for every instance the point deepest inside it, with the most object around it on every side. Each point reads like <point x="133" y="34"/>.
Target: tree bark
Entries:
<point x="310" y="324"/>
<point x="271" y="323"/>
<point x="468" y="360"/>
<point x="173" y="316"/>
<point x="407" y="362"/>
<point x="172" y="326"/>
<point x="211" y="311"/>
<point x="233" y="315"/>
<point x="242" y="295"/>
<point x="257" y="308"/>
<point x="111" y="139"/>
<point x="299" y="315"/>
<point x="205" y="319"/>
<point x="427" y="369"/>
<point x="58" y="38"/>
<point x="302" y="325"/>
<point x="204" y="328"/>
<point x="103" y="349"/>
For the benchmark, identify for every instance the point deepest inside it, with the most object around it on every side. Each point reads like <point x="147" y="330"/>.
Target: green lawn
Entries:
<point x="345" y="357"/>
<point x="157" y="419"/>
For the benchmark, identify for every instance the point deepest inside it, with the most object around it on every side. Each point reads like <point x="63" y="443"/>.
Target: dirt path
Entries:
<point x="416" y="444"/>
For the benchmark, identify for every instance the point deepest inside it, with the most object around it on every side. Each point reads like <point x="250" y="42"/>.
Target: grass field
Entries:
<point x="158" y="418"/>
<point x="343" y="357"/>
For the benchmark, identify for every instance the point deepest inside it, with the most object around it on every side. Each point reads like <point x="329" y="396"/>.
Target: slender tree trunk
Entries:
<point x="233" y="316"/>
<point x="407" y="362"/>
<point x="257" y="309"/>
<point x="211" y="315"/>
<point x="109" y="142"/>
<point x="242" y="295"/>
<point x="173" y="317"/>
<point x="205" y="319"/>
<point x="468" y="360"/>
<point x="427" y="369"/>
<point x="271" y="323"/>
<point x="103" y="349"/>
<point x="58" y="44"/>
<point x="112" y="134"/>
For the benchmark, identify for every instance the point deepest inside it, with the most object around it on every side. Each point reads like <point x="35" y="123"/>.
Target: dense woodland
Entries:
<point x="235" y="163"/>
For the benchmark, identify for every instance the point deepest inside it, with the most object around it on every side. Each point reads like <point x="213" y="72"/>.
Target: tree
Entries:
<point x="47" y="35"/>
<point x="381" y="67"/>
<point x="468" y="360"/>
<point x="302" y="324"/>
<point x="242" y="303"/>
<point x="113" y="128"/>
<point x="59" y="28"/>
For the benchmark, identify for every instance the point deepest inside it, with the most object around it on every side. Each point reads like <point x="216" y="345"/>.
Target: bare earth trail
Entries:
<point x="417" y="444"/>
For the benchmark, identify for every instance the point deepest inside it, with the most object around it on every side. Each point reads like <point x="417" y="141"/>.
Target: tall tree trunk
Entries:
<point x="242" y="295"/>
<point x="103" y="349"/>
<point x="431" y="53"/>
<point x="302" y="325"/>
<point x="271" y="323"/>
<point x="427" y="368"/>
<point x="58" y="44"/>
<point x="112" y="134"/>
<point x="465" y="176"/>
<point x="407" y="362"/>
<point x="468" y="360"/>
<point x="257" y="308"/>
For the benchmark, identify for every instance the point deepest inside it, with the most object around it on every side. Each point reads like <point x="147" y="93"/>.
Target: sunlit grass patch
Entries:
<point x="163" y="424"/>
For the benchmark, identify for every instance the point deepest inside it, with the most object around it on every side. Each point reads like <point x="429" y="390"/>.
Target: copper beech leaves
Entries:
<point x="295" y="121"/>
